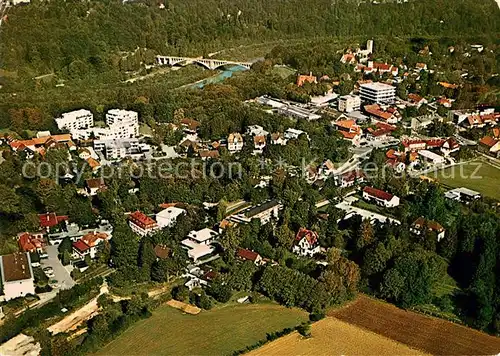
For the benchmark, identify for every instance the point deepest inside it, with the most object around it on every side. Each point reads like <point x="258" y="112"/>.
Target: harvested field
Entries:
<point x="431" y="335"/>
<point x="331" y="336"/>
<point x="186" y="308"/>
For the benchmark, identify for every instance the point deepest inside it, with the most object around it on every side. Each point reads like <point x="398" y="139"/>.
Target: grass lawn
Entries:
<point x="219" y="331"/>
<point x="485" y="180"/>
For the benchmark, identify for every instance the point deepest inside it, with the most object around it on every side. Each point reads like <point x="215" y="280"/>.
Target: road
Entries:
<point x="61" y="273"/>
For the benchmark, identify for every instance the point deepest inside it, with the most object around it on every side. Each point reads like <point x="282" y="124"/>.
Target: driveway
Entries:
<point x="61" y="273"/>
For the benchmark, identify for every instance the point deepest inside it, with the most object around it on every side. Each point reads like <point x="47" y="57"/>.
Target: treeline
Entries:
<point x="84" y="39"/>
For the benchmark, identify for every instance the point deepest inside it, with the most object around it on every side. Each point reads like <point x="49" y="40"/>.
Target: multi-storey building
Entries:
<point x="75" y="120"/>
<point x="349" y="103"/>
<point x="379" y="93"/>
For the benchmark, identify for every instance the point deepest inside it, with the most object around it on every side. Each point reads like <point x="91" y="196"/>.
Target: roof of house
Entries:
<point x="93" y="163"/>
<point x="415" y="98"/>
<point x="351" y="176"/>
<point x="234" y="137"/>
<point x="301" y="79"/>
<point x="51" y="219"/>
<point x="16" y="267"/>
<point x="277" y="135"/>
<point x="247" y="254"/>
<point x="309" y="235"/>
<point x="81" y="246"/>
<point x="95" y="183"/>
<point x="140" y="219"/>
<point x="92" y="239"/>
<point x="162" y="251"/>
<point x="448" y="85"/>
<point x="190" y="124"/>
<point x="260" y="208"/>
<point x="431" y="224"/>
<point x="27" y="242"/>
<point x="209" y="154"/>
<point x="259" y="140"/>
<point x="329" y="164"/>
<point x="408" y="143"/>
<point x="488" y="141"/>
<point x="377" y="193"/>
<point x="375" y="110"/>
<point x="496" y="132"/>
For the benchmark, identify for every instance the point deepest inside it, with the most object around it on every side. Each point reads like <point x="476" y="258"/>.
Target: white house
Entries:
<point x="278" y="138"/>
<point x="306" y="243"/>
<point x="418" y="227"/>
<point x="256" y="130"/>
<point x="198" y="243"/>
<point x="17" y="275"/>
<point x="431" y="157"/>
<point x="263" y="212"/>
<point x="87" y="245"/>
<point x="259" y="143"/>
<point x="349" y="179"/>
<point x="167" y="217"/>
<point x="293" y="134"/>
<point x="142" y="224"/>
<point x="235" y="142"/>
<point x="75" y="120"/>
<point x="380" y="197"/>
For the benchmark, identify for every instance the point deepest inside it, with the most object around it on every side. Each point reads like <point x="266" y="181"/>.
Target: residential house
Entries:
<point x="278" y="138"/>
<point x="95" y="185"/>
<point x="50" y="220"/>
<point x="463" y="195"/>
<point x="162" y="252"/>
<point x="390" y="116"/>
<point x="264" y="212"/>
<point x="256" y="130"/>
<point x="235" y="142"/>
<point x="487" y="143"/>
<point x="190" y="126"/>
<point x="84" y="153"/>
<point x="248" y="255"/>
<point x="142" y="224"/>
<point x="294" y="134"/>
<point x="380" y="197"/>
<point x="259" y="143"/>
<point x="87" y="245"/>
<point x="431" y="157"/>
<point x="198" y="243"/>
<point x="306" y="243"/>
<point x="349" y="130"/>
<point x="93" y="164"/>
<point x="420" y="67"/>
<point x="31" y="242"/>
<point x="450" y="146"/>
<point x="17" y="275"/>
<point x="302" y="79"/>
<point x="447" y="103"/>
<point x="350" y="178"/>
<point x="167" y="217"/>
<point x="381" y="132"/>
<point x="348" y="58"/>
<point x="417" y="100"/>
<point x="209" y="154"/>
<point x="326" y="169"/>
<point x="421" y="224"/>
<point x="414" y="145"/>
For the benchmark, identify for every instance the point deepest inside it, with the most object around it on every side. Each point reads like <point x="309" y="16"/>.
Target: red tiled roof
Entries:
<point x="142" y="220"/>
<point x="431" y="224"/>
<point x="408" y="143"/>
<point x="311" y="236"/>
<point x="437" y="142"/>
<point x="376" y="111"/>
<point x="51" y="219"/>
<point x="162" y="251"/>
<point x="29" y="243"/>
<point x="380" y="194"/>
<point x="247" y="254"/>
<point x="301" y="79"/>
<point x="81" y="246"/>
<point x="415" y="98"/>
<point x="488" y="141"/>
<point x="91" y="239"/>
<point x="351" y="176"/>
<point x="496" y="132"/>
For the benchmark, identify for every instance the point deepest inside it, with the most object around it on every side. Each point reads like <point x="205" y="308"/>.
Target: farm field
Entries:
<point x="331" y="336"/>
<point x="431" y="335"/>
<point x="215" y="332"/>
<point x="460" y="176"/>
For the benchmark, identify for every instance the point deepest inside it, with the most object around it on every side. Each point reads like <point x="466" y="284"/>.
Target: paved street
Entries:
<point x="61" y="273"/>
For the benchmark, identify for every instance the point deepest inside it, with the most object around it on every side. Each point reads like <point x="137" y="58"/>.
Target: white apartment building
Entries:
<point x="123" y="123"/>
<point x="349" y="103"/>
<point x="121" y="148"/>
<point x="75" y="120"/>
<point x="17" y="275"/>
<point x="379" y="93"/>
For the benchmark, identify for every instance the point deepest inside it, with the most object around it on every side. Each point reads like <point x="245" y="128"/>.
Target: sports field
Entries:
<point x="478" y="175"/>
<point x="431" y="335"/>
<point x="331" y="336"/>
<point x="215" y="332"/>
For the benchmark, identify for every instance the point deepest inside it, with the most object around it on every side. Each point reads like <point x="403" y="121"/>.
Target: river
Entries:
<point x="219" y="77"/>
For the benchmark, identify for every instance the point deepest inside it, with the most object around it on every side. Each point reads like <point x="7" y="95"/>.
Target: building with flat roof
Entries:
<point x="198" y="243"/>
<point x="115" y="149"/>
<point x="264" y="212"/>
<point x="298" y="112"/>
<point x="17" y="275"/>
<point x="379" y="93"/>
<point x="431" y="157"/>
<point x="349" y="103"/>
<point x="168" y="216"/>
<point x="75" y="120"/>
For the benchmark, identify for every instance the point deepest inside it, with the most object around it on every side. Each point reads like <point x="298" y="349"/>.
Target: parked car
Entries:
<point x="35" y="264"/>
<point x="44" y="255"/>
<point x="47" y="269"/>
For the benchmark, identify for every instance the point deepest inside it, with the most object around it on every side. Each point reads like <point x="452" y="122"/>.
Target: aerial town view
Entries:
<point x="261" y="177"/>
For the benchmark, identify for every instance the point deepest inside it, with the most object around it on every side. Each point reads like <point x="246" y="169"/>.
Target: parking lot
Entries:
<point x="61" y="274"/>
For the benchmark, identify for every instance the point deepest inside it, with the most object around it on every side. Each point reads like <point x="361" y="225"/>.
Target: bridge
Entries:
<point x="208" y="63"/>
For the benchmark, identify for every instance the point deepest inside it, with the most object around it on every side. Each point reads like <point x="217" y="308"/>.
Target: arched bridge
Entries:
<point x="208" y="63"/>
